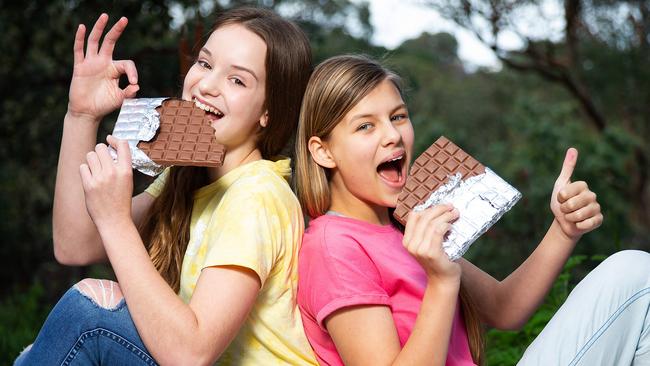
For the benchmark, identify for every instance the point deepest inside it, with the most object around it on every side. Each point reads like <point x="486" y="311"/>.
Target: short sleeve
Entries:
<point x="158" y="184"/>
<point x="249" y="232"/>
<point x="336" y="272"/>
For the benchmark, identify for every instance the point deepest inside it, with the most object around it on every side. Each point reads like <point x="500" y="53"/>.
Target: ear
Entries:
<point x="320" y="152"/>
<point x="264" y="120"/>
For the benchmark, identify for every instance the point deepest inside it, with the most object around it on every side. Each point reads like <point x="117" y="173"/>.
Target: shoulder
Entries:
<point x="264" y="182"/>
<point x="334" y="238"/>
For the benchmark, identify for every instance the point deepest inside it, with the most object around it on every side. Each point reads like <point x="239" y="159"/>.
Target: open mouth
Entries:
<point x="392" y="170"/>
<point x="212" y="112"/>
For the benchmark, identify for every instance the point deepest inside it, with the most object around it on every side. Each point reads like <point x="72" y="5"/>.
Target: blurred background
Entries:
<point x="513" y="82"/>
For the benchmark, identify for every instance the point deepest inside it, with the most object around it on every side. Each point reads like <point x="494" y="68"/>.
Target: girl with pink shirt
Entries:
<point x="372" y="293"/>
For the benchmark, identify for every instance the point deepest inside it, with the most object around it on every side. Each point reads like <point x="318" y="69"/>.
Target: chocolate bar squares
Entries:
<point x="163" y="132"/>
<point x="445" y="173"/>
<point x="184" y="137"/>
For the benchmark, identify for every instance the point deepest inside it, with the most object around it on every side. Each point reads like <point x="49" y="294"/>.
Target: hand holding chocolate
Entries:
<point x="163" y="132"/>
<point x="444" y="173"/>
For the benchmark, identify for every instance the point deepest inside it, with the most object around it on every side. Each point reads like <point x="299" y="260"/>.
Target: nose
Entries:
<point x="391" y="135"/>
<point x="209" y="84"/>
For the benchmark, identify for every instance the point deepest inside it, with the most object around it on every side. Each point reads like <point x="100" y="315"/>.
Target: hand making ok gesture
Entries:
<point x="95" y="90"/>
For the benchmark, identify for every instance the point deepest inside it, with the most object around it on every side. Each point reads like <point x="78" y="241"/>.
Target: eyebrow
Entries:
<point x="366" y="115"/>
<point x="238" y="67"/>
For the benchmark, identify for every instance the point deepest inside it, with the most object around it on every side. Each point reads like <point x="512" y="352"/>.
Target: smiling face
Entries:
<point x="228" y="81"/>
<point x="370" y="149"/>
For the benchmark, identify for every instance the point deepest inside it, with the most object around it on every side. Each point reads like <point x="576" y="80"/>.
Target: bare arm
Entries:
<point x="94" y="92"/>
<point x="510" y="303"/>
<point x="75" y="236"/>
<point x="174" y="332"/>
<point x="367" y="335"/>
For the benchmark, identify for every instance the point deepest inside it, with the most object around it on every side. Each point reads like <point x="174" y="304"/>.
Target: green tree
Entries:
<point x="598" y="57"/>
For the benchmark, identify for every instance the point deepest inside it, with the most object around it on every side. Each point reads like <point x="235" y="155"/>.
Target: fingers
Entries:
<point x="583" y="213"/>
<point x="568" y="166"/>
<point x="78" y="48"/>
<point x="414" y="218"/>
<point x="127" y="67"/>
<point x="86" y="176"/>
<point x="436" y="232"/>
<point x="92" y="160"/>
<point x="590" y="223"/>
<point x="96" y="34"/>
<point x="112" y="36"/>
<point x="100" y="163"/>
<point x="431" y="225"/>
<point x="123" y="151"/>
<point x="571" y="191"/>
<point x="131" y="91"/>
<point x="103" y="155"/>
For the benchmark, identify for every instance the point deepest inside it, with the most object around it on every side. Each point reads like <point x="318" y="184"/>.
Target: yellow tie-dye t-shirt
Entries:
<point x="251" y="218"/>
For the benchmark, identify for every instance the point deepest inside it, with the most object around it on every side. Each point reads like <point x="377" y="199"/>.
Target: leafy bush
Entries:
<point x="22" y="314"/>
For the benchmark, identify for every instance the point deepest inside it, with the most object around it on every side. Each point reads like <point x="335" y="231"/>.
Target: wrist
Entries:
<point x="110" y="224"/>
<point x="556" y="228"/>
<point x="445" y="284"/>
<point x="79" y="117"/>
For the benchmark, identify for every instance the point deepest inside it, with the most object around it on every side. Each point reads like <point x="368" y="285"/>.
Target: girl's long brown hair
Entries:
<point x="335" y="87"/>
<point x="165" y="229"/>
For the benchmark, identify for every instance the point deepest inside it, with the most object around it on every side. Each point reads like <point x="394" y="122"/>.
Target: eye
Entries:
<point x="237" y="81"/>
<point x="364" y="126"/>
<point x="398" y="117"/>
<point x="204" y="64"/>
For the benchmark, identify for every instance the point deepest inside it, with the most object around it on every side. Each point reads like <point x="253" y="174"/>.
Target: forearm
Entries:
<point x="521" y="293"/>
<point x="75" y="237"/>
<point x="429" y="340"/>
<point x="168" y="327"/>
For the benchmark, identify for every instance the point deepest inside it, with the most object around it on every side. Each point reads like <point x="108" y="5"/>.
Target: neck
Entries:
<point x="343" y="202"/>
<point x="234" y="159"/>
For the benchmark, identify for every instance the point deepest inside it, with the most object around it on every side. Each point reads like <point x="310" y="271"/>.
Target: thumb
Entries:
<point x="568" y="166"/>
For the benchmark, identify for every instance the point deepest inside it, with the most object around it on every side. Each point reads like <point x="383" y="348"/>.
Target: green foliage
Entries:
<point x="504" y="348"/>
<point x="21" y="316"/>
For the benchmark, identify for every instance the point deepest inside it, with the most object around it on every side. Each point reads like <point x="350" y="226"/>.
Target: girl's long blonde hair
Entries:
<point x="166" y="227"/>
<point x="335" y="87"/>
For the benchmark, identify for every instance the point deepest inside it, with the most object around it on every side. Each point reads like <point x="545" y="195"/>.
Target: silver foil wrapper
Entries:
<point x="481" y="201"/>
<point x="139" y="121"/>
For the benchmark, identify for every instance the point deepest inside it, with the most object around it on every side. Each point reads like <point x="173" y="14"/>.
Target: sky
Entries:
<point x="395" y="21"/>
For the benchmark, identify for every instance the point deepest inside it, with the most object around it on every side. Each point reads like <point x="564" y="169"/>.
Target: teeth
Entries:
<point x="397" y="158"/>
<point x="208" y="108"/>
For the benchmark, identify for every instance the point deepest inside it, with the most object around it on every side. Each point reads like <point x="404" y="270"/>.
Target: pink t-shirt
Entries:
<point x="347" y="262"/>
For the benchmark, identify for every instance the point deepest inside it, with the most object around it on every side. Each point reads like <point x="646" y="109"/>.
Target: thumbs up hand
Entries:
<point x="575" y="207"/>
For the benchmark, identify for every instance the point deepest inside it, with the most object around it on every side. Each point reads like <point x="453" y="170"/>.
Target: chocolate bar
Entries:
<point x="184" y="137"/>
<point x="163" y="132"/>
<point x="445" y="173"/>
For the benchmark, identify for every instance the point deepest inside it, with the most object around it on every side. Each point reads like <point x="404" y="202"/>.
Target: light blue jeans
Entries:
<point x="605" y="320"/>
<point x="80" y="332"/>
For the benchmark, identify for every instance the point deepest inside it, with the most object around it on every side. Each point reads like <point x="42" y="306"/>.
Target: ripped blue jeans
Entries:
<point x="78" y="331"/>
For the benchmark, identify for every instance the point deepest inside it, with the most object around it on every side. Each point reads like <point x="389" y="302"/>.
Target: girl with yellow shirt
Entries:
<point x="205" y="258"/>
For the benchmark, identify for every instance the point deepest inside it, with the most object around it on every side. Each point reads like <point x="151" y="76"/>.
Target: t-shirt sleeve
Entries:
<point x="337" y="273"/>
<point x="156" y="187"/>
<point x="249" y="232"/>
